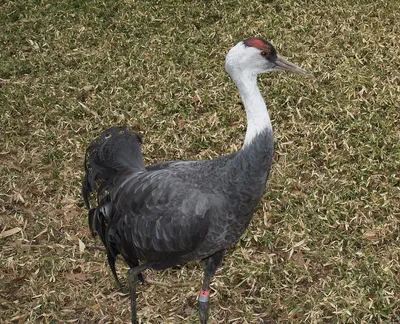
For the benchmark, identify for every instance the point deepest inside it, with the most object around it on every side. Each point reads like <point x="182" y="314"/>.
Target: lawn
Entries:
<point x="323" y="246"/>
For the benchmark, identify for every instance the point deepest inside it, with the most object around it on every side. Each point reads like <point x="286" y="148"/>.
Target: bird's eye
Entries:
<point x="264" y="53"/>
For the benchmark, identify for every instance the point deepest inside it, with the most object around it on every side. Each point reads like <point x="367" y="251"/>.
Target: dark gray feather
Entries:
<point x="173" y="212"/>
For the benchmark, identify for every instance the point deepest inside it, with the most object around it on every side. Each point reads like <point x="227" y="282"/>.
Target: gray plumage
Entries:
<point x="173" y="212"/>
<point x="178" y="211"/>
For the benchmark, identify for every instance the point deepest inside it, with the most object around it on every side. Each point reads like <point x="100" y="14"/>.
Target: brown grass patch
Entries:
<point x="324" y="243"/>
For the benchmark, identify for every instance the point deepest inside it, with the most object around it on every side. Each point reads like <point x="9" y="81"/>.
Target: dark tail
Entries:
<point x="115" y="150"/>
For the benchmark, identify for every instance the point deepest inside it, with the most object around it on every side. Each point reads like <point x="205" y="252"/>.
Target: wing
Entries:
<point x="160" y="214"/>
<point x="171" y="164"/>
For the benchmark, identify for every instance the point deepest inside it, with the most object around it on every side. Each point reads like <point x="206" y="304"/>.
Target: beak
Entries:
<point x="283" y="64"/>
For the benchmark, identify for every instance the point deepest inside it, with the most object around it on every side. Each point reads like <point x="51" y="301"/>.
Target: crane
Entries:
<point x="175" y="212"/>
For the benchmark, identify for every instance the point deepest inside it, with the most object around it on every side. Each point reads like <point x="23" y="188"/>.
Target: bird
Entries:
<point x="174" y="212"/>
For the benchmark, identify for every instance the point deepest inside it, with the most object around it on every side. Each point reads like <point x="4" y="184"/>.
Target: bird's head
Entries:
<point x="256" y="55"/>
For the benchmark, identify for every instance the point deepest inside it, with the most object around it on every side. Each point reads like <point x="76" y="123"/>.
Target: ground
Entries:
<point x="323" y="246"/>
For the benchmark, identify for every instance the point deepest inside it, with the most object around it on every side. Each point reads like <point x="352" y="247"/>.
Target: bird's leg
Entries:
<point x="134" y="265"/>
<point x="132" y="277"/>
<point x="210" y="265"/>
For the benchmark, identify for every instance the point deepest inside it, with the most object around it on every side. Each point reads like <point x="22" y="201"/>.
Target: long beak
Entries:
<point x="283" y="64"/>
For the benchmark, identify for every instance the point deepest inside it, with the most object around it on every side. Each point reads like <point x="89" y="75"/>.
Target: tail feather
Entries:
<point x="114" y="150"/>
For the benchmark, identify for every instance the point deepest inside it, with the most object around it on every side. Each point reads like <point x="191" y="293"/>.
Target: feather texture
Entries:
<point x="178" y="211"/>
<point x="173" y="212"/>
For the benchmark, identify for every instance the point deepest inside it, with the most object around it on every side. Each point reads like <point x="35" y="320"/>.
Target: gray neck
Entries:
<point x="251" y="165"/>
<point x="248" y="174"/>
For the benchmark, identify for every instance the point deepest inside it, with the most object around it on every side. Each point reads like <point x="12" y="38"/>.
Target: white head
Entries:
<point x="256" y="55"/>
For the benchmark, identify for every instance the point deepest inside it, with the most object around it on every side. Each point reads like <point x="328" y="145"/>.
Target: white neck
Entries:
<point x="256" y="111"/>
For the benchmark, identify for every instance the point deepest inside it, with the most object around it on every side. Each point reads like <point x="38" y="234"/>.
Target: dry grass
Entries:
<point x="324" y="243"/>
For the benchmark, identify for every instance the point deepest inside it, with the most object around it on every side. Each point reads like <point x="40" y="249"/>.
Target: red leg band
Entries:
<point x="204" y="292"/>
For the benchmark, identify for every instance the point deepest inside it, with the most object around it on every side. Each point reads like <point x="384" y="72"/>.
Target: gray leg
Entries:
<point x="134" y="265"/>
<point x="132" y="277"/>
<point x="210" y="265"/>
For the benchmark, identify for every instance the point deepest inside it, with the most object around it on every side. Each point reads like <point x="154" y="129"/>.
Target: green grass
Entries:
<point x="324" y="243"/>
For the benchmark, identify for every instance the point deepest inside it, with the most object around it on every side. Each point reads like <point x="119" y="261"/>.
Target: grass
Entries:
<point x="324" y="243"/>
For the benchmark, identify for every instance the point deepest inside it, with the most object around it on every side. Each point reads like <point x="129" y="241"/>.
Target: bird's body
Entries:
<point x="182" y="211"/>
<point x="174" y="212"/>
